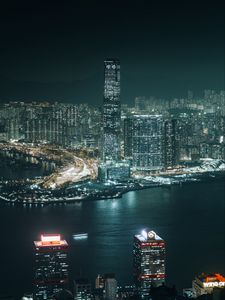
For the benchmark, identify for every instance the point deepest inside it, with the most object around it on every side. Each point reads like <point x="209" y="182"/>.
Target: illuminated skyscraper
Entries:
<point x="143" y="141"/>
<point x="149" y="261"/>
<point x="171" y="144"/>
<point x="51" y="267"/>
<point x="111" y="111"/>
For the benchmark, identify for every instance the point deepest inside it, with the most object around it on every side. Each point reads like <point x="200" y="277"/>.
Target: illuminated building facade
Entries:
<point x="205" y="284"/>
<point x="148" y="262"/>
<point x="51" y="266"/>
<point x="114" y="171"/>
<point x="111" y="111"/>
<point x="143" y="142"/>
<point x="171" y="145"/>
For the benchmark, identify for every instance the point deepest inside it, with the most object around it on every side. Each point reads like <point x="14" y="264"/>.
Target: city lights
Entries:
<point x="112" y="150"/>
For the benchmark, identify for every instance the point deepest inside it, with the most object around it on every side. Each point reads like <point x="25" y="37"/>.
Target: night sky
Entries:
<point x="54" y="50"/>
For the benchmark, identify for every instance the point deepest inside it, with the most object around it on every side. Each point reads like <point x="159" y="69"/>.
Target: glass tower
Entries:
<point x="143" y="141"/>
<point x="111" y="111"/>
<point x="51" y="266"/>
<point x="148" y="262"/>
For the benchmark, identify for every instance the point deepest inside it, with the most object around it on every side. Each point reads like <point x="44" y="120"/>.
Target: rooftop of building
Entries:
<point x="49" y="240"/>
<point x="111" y="60"/>
<point x="210" y="280"/>
<point x="216" y="277"/>
<point x="148" y="236"/>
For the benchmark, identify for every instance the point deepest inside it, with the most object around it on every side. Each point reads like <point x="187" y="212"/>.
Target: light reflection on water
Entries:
<point x="189" y="218"/>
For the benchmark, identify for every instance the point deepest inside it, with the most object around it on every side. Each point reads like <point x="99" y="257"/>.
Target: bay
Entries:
<point x="190" y="218"/>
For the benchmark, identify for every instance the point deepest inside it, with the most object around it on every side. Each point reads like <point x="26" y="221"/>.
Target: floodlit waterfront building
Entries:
<point x="114" y="171"/>
<point x="205" y="284"/>
<point x="143" y="142"/>
<point x="148" y="262"/>
<point x="51" y="266"/>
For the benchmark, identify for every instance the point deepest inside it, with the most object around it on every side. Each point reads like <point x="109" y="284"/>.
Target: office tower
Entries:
<point x="148" y="261"/>
<point x="111" y="111"/>
<point x="110" y="287"/>
<point x="171" y="146"/>
<point x="51" y="267"/>
<point x="143" y="142"/>
<point x="82" y="289"/>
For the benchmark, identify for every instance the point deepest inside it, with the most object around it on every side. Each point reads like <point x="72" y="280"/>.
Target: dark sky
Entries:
<point x="55" y="49"/>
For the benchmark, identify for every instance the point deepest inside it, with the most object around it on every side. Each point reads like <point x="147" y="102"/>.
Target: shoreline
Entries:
<point x="115" y="191"/>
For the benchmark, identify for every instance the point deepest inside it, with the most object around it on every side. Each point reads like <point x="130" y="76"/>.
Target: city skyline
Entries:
<point x="54" y="52"/>
<point x="112" y="149"/>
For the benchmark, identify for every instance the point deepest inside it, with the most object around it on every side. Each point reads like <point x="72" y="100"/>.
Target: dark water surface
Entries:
<point x="190" y="219"/>
<point x="10" y="173"/>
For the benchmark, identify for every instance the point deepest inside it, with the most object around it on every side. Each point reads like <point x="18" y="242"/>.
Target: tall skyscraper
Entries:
<point x="51" y="266"/>
<point x="171" y="145"/>
<point x="111" y="111"/>
<point x="149" y="261"/>
<point x="143" y="142"/>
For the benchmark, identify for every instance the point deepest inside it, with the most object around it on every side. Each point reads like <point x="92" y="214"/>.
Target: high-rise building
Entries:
<point x="171" y="146"/>
<point x="149" y="262"/>
<point x="111" y="111"/>
<point x="143" y="142"/>
<point x="110" y="287"/>
<point x="51" y="266"/>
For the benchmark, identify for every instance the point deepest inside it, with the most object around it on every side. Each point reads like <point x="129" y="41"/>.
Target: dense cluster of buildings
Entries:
<point x="52" y="270"/>
<point x="56" y="123"/>
<point x="52" y="278"/>
<point x="152" y="135"/>
<point x="155" y="135"/>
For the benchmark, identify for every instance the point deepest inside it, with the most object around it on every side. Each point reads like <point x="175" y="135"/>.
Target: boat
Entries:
<point x="80" y="236"/>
